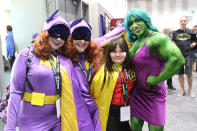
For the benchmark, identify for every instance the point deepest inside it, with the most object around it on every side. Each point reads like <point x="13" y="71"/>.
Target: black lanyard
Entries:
<point x="84" y="71"/>
<point x="56" y="72"/>
<point x="124" y="87"/>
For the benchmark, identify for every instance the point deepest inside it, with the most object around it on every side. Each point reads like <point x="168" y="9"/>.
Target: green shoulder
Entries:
<point x="158" y="39"/>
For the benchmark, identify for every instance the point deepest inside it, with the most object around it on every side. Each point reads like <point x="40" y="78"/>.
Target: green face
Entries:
<point x="137" y="27"/>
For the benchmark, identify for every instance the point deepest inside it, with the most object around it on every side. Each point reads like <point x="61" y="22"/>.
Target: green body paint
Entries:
<point x="160" y="46"/>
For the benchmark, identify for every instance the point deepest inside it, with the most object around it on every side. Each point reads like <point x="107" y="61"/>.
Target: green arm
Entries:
<point x="163" y="48"/>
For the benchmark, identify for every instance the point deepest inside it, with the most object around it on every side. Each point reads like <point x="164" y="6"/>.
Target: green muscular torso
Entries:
<point x="162" y="47"/>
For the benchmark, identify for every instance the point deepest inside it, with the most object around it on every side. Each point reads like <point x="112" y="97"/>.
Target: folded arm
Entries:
<point x="163" y="48"/>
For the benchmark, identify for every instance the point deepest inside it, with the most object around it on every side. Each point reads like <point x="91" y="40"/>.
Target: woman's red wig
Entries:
<point x="42" y="48"/>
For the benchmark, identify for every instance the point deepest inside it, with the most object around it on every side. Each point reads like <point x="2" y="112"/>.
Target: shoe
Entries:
<point x="191" y="95"/>
<point x="181" y="94"/>
<point x="171" y="87"/>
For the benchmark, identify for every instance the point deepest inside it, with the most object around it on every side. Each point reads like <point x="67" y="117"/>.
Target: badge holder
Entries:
<point x="125" y="113"/>
<point x="58" y="107"/>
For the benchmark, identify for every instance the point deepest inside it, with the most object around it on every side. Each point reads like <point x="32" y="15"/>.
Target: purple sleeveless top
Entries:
<point x="148" y="102"/>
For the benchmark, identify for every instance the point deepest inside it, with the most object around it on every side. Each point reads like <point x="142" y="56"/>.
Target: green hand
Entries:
<point x="151" y="81"/>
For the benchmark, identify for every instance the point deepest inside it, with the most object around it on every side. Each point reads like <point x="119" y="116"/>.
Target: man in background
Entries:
<point x="10" y="47"/>
<point x="185" y="40"/>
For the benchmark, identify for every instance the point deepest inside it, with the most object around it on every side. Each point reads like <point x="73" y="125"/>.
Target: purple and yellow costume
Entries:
<point x="85" y="87"/>
<point x="36" y="111"/>
<point x="82" y="79"/>
<point x="43" y="118"/>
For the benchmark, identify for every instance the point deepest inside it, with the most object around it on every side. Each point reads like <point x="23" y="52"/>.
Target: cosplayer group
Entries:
<point x="66" y="81"/>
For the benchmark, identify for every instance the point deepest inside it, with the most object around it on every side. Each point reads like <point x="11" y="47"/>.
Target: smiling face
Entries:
<point x="80" y="45"/>
<point x="183" y="22"/>
<point x="55" y="43"/>
<point x="118" y="56"/>
<point x="137" y="27"/>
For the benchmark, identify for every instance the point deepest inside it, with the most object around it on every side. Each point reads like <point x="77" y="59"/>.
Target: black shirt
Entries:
<point x="183" y="40"/>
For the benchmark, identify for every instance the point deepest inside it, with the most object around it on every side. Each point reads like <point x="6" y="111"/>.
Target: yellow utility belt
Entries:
<point x="39" y="99"/>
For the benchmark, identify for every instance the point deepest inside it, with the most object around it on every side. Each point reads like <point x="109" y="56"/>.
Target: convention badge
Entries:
<point x="58" y="107"/>
<point x="125" y="113"/>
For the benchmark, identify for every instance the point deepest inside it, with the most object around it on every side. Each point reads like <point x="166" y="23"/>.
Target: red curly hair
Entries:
<point x="42" y="48"/>
<point x="93" y="52"/>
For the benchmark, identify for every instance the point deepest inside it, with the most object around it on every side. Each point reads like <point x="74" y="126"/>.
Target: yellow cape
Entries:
<point x="102" y="93"/>
<point x="68" y="110"/>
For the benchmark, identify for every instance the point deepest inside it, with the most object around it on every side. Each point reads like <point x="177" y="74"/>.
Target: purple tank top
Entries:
<point x="148" y="102"/>
<point x="146" y="64"/>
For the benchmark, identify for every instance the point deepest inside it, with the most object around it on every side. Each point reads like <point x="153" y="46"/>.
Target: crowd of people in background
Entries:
<point x="68" y="81"/>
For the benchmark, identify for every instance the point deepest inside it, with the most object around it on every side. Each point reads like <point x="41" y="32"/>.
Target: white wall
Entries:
<point x="95" y="9"/>
<point x="27" y="18"/>
<point x="117" y="8"/>
<point x="5" y="20"/>
<point x="166" y="13"/>
<point x="193" y="6"/>
<point x="5" y="14"/>
<point x="113" y="8"/>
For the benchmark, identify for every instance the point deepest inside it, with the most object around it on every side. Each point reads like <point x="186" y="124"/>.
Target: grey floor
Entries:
<point x="181" y="111"/>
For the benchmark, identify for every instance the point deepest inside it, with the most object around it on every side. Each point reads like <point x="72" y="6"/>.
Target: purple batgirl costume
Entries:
<point x="36" y="111"/>
<point x="29" y="117"/>
<point x="85" y="87"/>
<point x="148" y="102"/>
<point x="22" y="114"/>
<point x="82" y="79"/>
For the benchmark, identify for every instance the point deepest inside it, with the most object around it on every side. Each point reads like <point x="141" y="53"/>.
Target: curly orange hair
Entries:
<point x="42" y="48"/>
<point x="93" y="52"/>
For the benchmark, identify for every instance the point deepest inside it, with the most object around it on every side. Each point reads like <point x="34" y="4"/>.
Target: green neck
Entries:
<point x="146" y="33"/>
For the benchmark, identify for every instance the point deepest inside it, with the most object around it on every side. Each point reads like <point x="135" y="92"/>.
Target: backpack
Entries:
<point x="6" y="95"/>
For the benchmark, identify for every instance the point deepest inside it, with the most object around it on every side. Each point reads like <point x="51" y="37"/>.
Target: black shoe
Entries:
<point x="171" y="87"/>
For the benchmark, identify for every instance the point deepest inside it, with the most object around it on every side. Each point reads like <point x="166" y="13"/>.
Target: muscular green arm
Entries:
<point x="162" y="47"/>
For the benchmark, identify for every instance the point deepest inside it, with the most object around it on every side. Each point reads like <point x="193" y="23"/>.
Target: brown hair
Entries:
<point x="111" y="47"/>
<point x="43" y="49"/>
<point x="9" y="28"/>
<point x="93" y="52"/>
